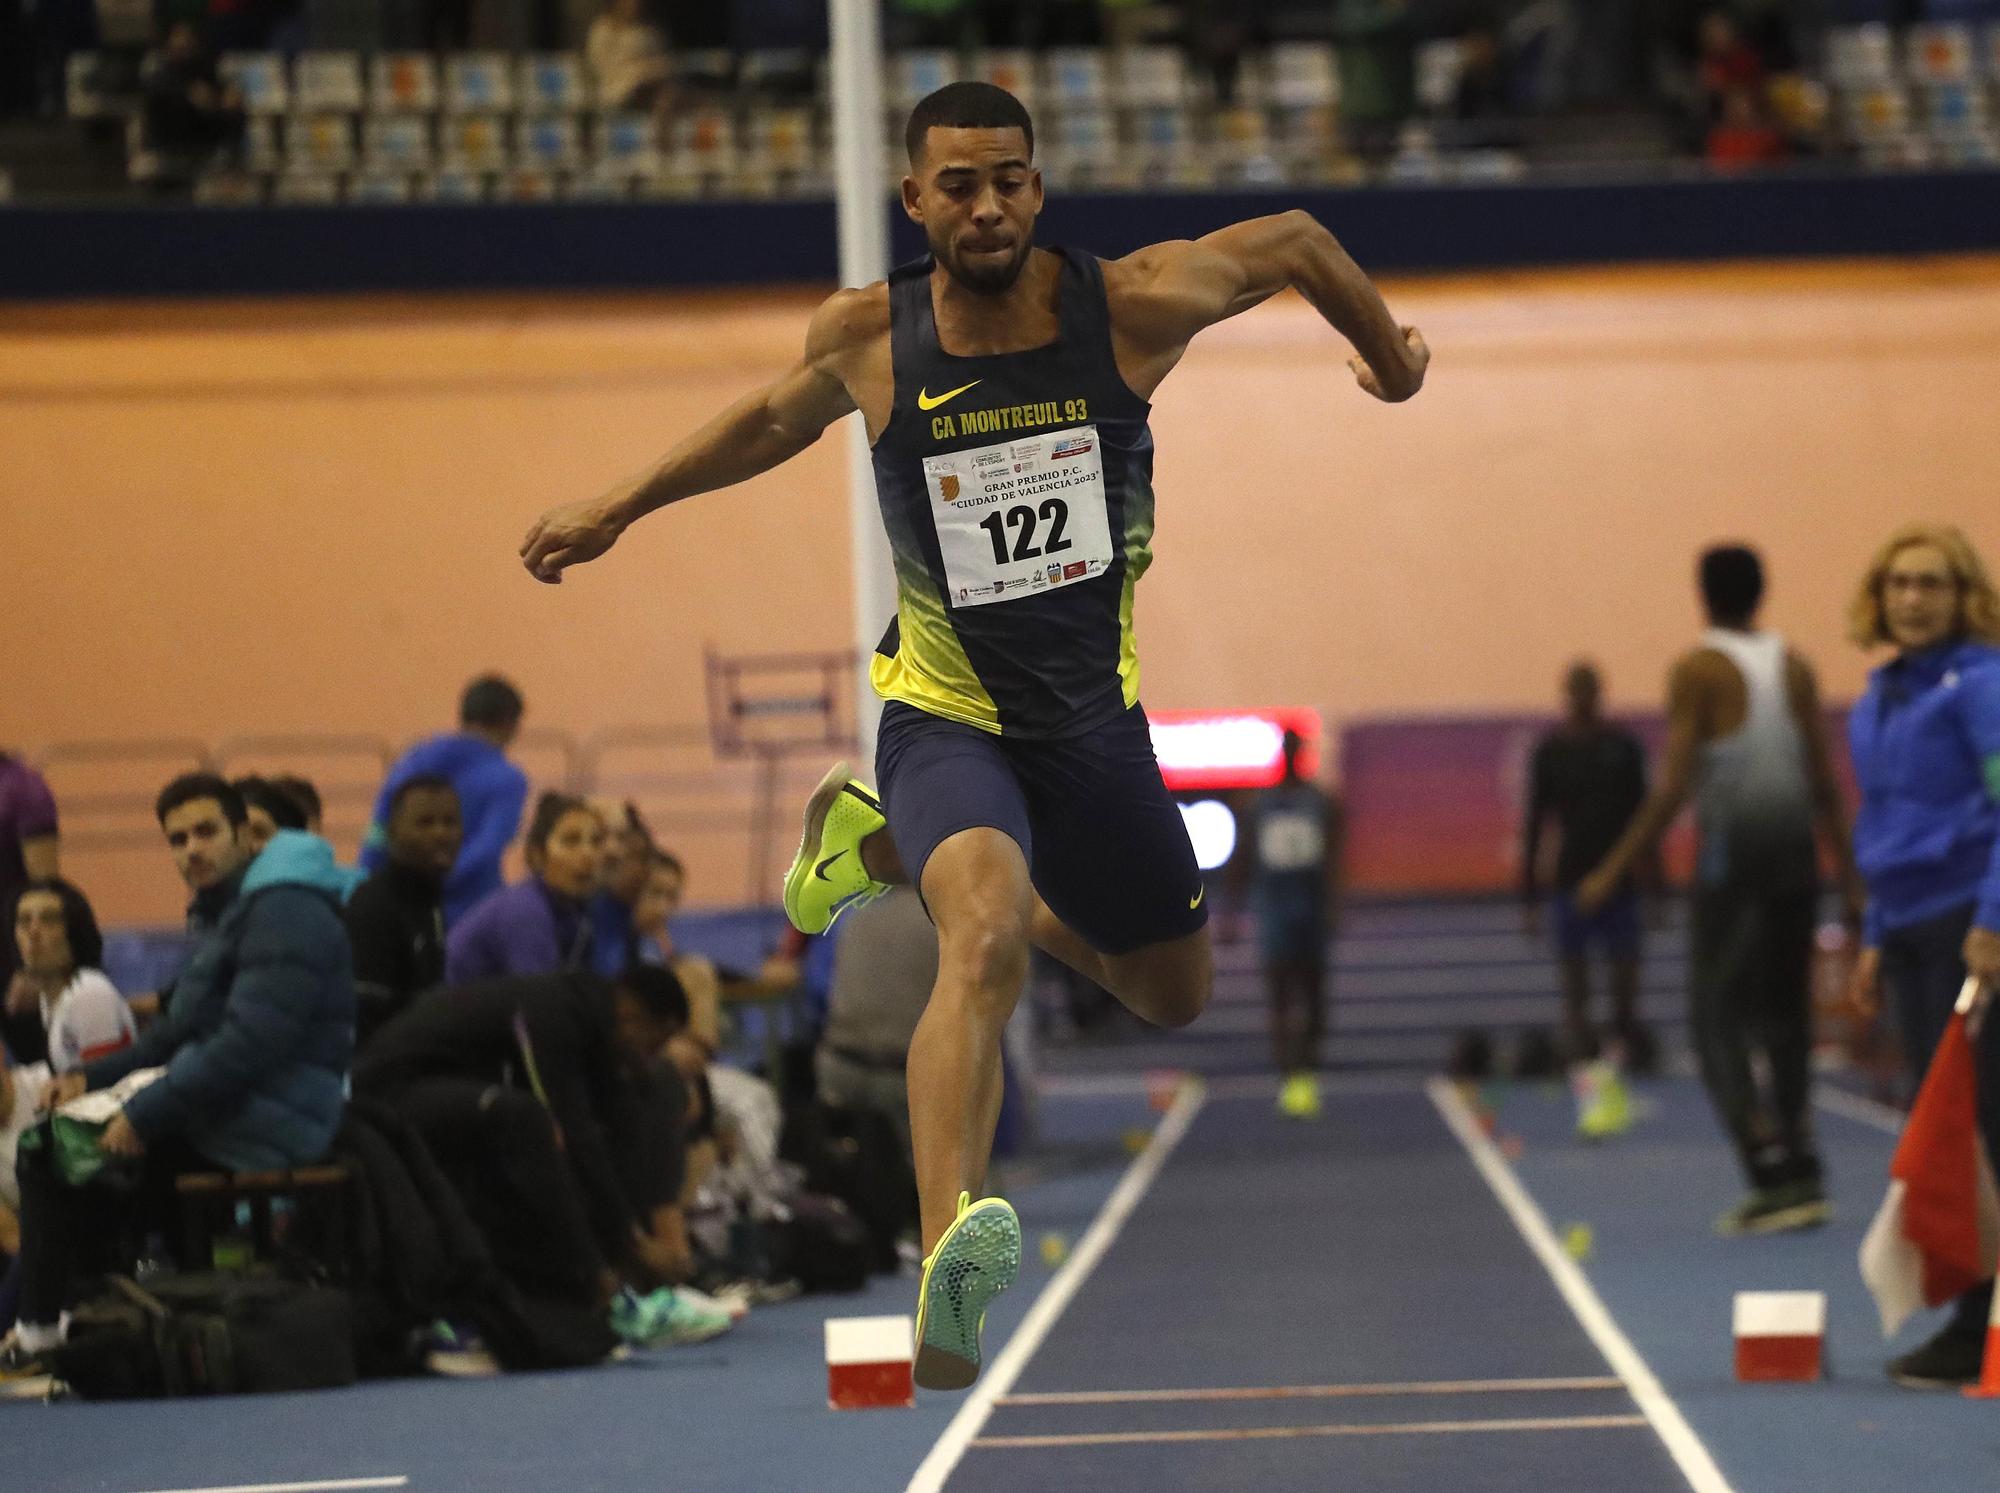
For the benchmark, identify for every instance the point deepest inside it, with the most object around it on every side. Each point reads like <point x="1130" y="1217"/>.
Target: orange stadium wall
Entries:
<point x="231" y="520"/>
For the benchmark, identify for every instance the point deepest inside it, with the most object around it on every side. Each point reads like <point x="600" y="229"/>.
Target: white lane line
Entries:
<point x="1287" y="1433"/>
<point x="1309" y="1392"/>
<point x="1696" y="1465"/>
<point x="339" y="1485"/>
<point x="1056" y="1295"/>
<point x="1870" y="1112"/>
<point x="1241" y="1086"/>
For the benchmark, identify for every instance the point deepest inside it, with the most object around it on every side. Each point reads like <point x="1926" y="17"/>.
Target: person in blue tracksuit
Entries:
<point x="1926" y="746"/>
<point x="492" y="792"/>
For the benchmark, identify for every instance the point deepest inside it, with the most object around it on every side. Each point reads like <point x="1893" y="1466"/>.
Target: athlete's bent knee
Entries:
<point x="1180" y="1002"/>
<point x="990" y="956"/>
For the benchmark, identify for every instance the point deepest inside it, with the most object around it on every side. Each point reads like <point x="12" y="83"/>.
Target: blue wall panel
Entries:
<point x="181" y="250"/>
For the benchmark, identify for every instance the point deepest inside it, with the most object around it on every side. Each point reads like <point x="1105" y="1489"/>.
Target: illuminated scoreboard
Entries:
<point x="1205" y="752"/>
<point x="1212" y="751"/>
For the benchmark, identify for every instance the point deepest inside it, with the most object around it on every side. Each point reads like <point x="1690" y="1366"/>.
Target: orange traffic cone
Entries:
<point x="1988" y="1387"/>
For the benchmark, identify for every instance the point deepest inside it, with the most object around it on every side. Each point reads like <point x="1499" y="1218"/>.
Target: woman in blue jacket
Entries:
<point x="1926" y="745"/>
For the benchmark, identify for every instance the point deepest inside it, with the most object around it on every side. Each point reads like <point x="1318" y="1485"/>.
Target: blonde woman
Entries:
<point x="1926" y="744"/>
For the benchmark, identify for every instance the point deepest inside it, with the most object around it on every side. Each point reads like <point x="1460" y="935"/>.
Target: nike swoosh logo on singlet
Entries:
<point x="1195" y="900"/>
<point x="927" y="401"/>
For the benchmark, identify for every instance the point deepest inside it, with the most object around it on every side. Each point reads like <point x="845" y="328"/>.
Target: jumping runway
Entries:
<point x="1373" y="1301"/>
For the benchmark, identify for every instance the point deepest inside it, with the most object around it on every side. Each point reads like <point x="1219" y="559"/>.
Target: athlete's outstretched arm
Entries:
<point x="758" y="432"/>
<point x="1179" y="288"/>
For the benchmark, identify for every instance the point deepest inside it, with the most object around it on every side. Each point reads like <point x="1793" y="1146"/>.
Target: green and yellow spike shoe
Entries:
<point x="1607" y="1110"/>
<point x="827" y="876"/>
<point x="977" y="1259"/>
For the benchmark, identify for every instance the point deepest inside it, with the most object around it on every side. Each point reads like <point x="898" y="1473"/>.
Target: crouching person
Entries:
<point x="255" y="1046"/>
<point x="539" y="1099"/>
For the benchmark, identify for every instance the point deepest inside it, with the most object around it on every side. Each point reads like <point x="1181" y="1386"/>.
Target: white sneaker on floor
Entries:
<point x="728" y="1303"/>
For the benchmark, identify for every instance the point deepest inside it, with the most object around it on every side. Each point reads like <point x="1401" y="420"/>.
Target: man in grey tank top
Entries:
<point x="1747" y="741"/>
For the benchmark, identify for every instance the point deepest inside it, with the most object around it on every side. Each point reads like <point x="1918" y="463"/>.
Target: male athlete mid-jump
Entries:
<point x="1004" y="387"/>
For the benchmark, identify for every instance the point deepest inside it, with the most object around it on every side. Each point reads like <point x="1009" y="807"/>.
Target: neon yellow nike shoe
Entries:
<point x="827" y="876"/>
<point x="1608" y="1110"/>
<point x="978" y="1258"/>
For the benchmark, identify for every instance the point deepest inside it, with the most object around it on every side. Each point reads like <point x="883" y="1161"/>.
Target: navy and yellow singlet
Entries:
<point x="1017" y="490"/>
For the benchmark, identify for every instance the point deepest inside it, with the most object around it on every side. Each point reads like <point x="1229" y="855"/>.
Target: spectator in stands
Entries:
<point x="1727" y="64"/>
<point x="491" y="791"/>
<point x="255" y="1046"/>
<point x="29" y="850"/>
<point x="268" y="809"/>
<point x="302" y="792"/>
<point x="190" y="113"/>
<point x="21" y="1091"/>
<point x="538" y="925"/>
<point x="61" y="981"/>
<point x="883" y="971"/>
<point x="1377" y="57"/>
<point x="1743" y="136"/>
<point x="540" y="1098"/>
<point x="1925" y="738"/>
<point x="628" y="57"/>
<point x="395" y="919"/>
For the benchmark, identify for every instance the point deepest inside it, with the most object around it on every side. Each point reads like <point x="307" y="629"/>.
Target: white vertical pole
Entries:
<point x="861" y="195"/>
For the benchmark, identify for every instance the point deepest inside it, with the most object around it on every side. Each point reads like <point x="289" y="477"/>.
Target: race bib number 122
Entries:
<point x="1017" y="518"/>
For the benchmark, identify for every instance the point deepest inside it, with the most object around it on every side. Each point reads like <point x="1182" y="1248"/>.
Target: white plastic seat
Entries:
<point x="327" y="82"/>
<point x="478" y="83"/>
<point x="473" y="142"/>
<point x="552" y="83"/>
<point x="402" y="83"/>
<point x="261" y="78"/>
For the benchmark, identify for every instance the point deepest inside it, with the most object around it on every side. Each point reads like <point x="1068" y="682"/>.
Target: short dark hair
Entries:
<point x="672" y="862"/>
<point x="966" y="106"/>
<point x="86" y="941"/>
<point x="659" y="990"/>
<point x="490" y="701"/>
<point x="190" y="786"/>
<point x="262" y="793"/>
<point x="423" y="782"/>
<point x="549" y="811"/>
<point x="301" y="792"/>
<point x="1732" y="583"/>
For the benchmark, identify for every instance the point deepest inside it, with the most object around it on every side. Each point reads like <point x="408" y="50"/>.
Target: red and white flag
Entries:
<point x="1938" y="1234"/>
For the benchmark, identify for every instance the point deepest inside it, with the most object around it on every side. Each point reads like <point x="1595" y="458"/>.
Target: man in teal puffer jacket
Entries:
<point x="256" y="1042"/>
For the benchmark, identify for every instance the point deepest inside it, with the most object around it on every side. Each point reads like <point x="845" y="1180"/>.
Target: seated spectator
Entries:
<point x="1377" y="59"/>
<point x="268" y="809"/>
<point x="883" y="970"/>
<point x="395" y="919"/>
<point x="536" y="926"/>
<point x="628" y="57"/>
<point x="491" y="791"/>
<point x="21" y="1091"/>
<point x="1727" y="63"/>
<point x="61" y="980"/>
<point x="1744" y="136"/>
<point x="302" y="792"/>
<point x="29" y="848"/>
<point x="540" y="1100"/>
<point x="255" y="1047"/>
<point x="190" y="114"/>
<point x="622" y="873"/>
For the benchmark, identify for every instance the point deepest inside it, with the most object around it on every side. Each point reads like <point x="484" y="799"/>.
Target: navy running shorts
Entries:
<point x="1103" y="839"/>
<point x="1614" y="927"/>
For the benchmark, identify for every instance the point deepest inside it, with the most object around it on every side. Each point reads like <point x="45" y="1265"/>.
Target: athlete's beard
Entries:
<point x="985" y="278"/>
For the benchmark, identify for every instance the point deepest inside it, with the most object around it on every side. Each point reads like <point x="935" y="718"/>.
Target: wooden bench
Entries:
<point x="302" y="1211"/>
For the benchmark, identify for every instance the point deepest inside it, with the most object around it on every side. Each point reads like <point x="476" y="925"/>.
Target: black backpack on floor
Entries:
<point x="208" y="1333"/>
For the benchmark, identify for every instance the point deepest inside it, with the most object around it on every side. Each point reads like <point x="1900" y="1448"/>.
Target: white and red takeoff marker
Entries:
<point x="868" y="1363"/>
<point x="1780" y="1335"/>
